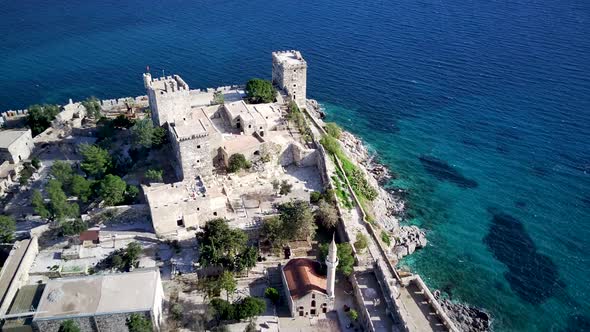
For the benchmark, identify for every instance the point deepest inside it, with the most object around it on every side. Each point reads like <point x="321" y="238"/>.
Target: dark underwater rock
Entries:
<point x="445" y="172"/>
<point x="532" y="276"/>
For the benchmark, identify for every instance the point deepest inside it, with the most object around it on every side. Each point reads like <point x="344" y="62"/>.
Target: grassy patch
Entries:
<point x="385" y="238"/>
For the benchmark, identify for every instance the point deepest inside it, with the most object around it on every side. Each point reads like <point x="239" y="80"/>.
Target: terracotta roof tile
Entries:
<point x="302" y="275"/>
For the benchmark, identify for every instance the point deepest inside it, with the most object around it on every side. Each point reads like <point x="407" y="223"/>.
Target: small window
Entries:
<point x="198" y="209"/>
<point x="198" y="161"/>
<point x="198" y="146"/>
<point x="249" y="126"/>
<point x="313" y="296"/>
<point x="313" y="303"/>
<point x="180" y="223"/>
<point x="215" y="213"/>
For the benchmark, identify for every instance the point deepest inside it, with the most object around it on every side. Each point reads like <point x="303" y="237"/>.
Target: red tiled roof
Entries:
<point x="302" y="275"/>
<point x="89" y="235"/>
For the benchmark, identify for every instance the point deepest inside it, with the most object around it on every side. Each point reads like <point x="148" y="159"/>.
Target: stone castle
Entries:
<point x="205" y="135"/>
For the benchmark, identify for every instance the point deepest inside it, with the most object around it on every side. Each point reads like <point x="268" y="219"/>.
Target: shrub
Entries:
<point x="286" y="187"/>
<point x="154" y="175"/>
<point x="237" y="162"/>
<point x="36" y="162"/>
<point x="361" y="242"/>
<point x="7" y="229"/>
<point x="69" y="326"/>
<point x="327" y="214"/>
<point x="218" y="98"/>
<point x="385" y="238"/>
<point x="333" y="130"/>
<point x="353" y="315"/>
<point x="139" y="323"/>
<point x="92" y="106"/>
<point x="315" y="197"/>
<point x="272" y="294"/>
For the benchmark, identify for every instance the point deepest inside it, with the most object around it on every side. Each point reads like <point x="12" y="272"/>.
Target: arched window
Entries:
<point x="313" y="303"/>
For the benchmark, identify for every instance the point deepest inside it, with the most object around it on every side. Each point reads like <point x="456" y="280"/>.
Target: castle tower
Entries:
<point x="169" y="98"/>
<point x="332" y="263"/>
<point x="289" y="73"/>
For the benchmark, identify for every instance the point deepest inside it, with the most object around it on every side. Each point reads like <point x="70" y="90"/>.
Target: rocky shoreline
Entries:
<point x="465" y="317"/>
<point x="388" y="208"/>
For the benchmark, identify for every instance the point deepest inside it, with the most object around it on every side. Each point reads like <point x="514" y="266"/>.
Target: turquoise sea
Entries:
<point x="481" y="109"/>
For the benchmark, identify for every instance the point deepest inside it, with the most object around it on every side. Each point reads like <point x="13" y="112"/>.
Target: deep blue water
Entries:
<point x="481" y="108"/>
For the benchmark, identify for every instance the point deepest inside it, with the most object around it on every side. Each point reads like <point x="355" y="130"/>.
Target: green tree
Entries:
<point x="92" y="106"/>
<point x="40" y="116"/>
<point x="345" y="257"/>
<point x="139" y="323"/>
<point x="39" y="205"/>
<point x="146" y="135"/>
<point x="327" y="214"/>
<point x="72" y="227"/>
<point x="132" y="252"/>
<point x="250" y="307"/>
<point x="97" y="161"/>
<point x="260" y="91"/>
<point x="59" y="207"/>
<point x="81" y="187"/>
<point x="26" y="173"/>
<point x="247" y="259"/>
<point x="220" y="245"/>
<point x="62" y="172"/>
<point x="286" y="187"/>
<point x="69" y="326"/>
<point x="272" y="294"/>
<point x="272" y="232"/>
<point x="112" y="190"/>
<point x="222" y="309"/>
<point x="297" y="220"/>
<point x="154" y="175"/>
<point x="228" y="283"/>
<point x="237" y="162"/>
<point x="361" y="242"/>
<point x="333" y="130"/>
<point x="7" y="229"/>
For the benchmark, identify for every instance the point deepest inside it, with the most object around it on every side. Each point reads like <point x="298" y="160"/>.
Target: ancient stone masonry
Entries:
<point x="289" y="73"/>
<point x="169" y="98"/>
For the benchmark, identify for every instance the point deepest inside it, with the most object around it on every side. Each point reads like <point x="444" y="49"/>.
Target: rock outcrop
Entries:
<point x="407" y="240"/>
<point x="465" y="317"/>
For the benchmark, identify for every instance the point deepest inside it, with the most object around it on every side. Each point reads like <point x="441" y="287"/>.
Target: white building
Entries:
<point x="307" y="291"/>
<point x="15" y="145"/>
<point x="100" y="302"/>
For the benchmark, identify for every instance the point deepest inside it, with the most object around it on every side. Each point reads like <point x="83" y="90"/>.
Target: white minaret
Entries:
<point x="331" y="262"/>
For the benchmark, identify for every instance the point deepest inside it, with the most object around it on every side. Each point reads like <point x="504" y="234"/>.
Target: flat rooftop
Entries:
<point x="290" y="57"/>
<point x="169" y="83"/>
<point x="197" y="123"/>
<point x="240" y="143"/>
<point x="88" y="296"/>
<point x="7" y="137"/>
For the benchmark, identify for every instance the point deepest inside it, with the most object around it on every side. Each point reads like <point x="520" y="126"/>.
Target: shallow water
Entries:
<point x="480" y="107"/>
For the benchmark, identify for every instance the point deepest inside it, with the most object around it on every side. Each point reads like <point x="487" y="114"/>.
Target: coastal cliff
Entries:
<point x="387" y="209"/>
